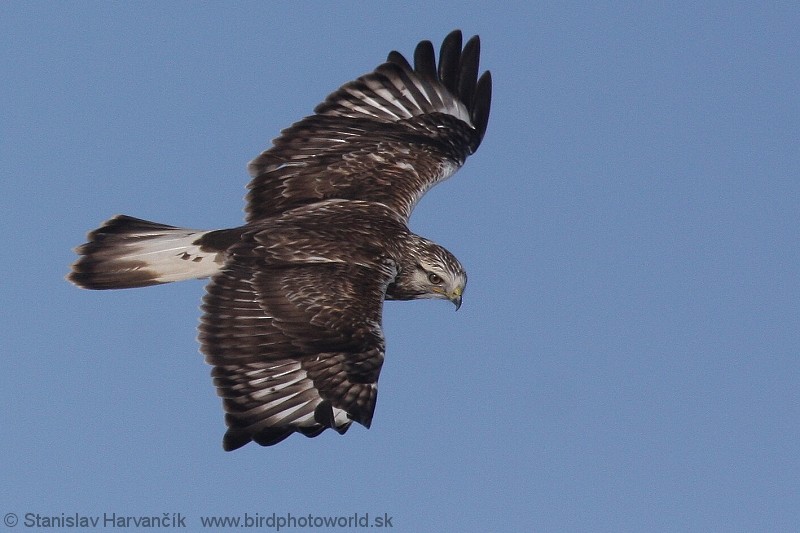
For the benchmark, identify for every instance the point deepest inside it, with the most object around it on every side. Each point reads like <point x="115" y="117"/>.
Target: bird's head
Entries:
<point x="430" y="272"/>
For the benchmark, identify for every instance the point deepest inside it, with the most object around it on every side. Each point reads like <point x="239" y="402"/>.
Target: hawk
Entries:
<point x="292" y="313"/>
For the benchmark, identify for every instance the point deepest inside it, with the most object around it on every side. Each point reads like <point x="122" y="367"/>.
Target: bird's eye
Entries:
<point x="434" y="278"/>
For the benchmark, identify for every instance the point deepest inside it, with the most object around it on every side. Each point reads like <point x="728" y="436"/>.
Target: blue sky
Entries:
<point x="626" y="358"/>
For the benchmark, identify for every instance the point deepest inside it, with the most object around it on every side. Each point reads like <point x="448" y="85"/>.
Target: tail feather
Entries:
<point x="127" y="252"/>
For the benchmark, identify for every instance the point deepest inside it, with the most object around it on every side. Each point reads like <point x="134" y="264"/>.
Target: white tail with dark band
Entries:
<point x="127" y="252"/>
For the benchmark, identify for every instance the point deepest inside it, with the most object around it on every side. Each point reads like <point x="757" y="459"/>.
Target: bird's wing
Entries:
<point x="386" y="137"/>
<point x="295" y="346"/>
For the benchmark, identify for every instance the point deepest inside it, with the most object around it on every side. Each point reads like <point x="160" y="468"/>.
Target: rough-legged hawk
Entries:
<point x="292" y="314"/>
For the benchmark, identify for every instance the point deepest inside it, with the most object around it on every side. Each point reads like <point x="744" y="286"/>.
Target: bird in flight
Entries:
<point x="292" y="313"/>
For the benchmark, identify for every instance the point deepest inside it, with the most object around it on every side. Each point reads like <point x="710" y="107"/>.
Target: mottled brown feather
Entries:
<point x="286" y="335"/>
<point x="386" y="137"/>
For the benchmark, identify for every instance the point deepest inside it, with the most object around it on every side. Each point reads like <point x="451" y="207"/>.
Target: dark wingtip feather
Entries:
<point x="235" y="439"/>
<point x="425" y="60"/>
<point x="398" y="59"/>
<point x="272" y="436"/>
<point x="449" y="60"/>
<point x="468" y="70"/>
<point x="458" y="71"/>
<point x="481" y="104"/>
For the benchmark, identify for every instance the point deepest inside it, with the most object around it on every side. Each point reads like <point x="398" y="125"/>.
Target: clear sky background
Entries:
<point x="627" y="355"/>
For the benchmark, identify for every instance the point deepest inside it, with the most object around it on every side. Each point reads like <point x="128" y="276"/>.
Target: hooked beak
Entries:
<point x="455" y="297"/>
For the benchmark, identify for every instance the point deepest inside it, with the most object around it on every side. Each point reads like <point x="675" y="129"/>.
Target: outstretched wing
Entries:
<point x="386" y="137"/>
<point x="295" y="347"/>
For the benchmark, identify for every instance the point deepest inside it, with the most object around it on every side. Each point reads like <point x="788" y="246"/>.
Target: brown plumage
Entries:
<point x="292" y="314"/>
